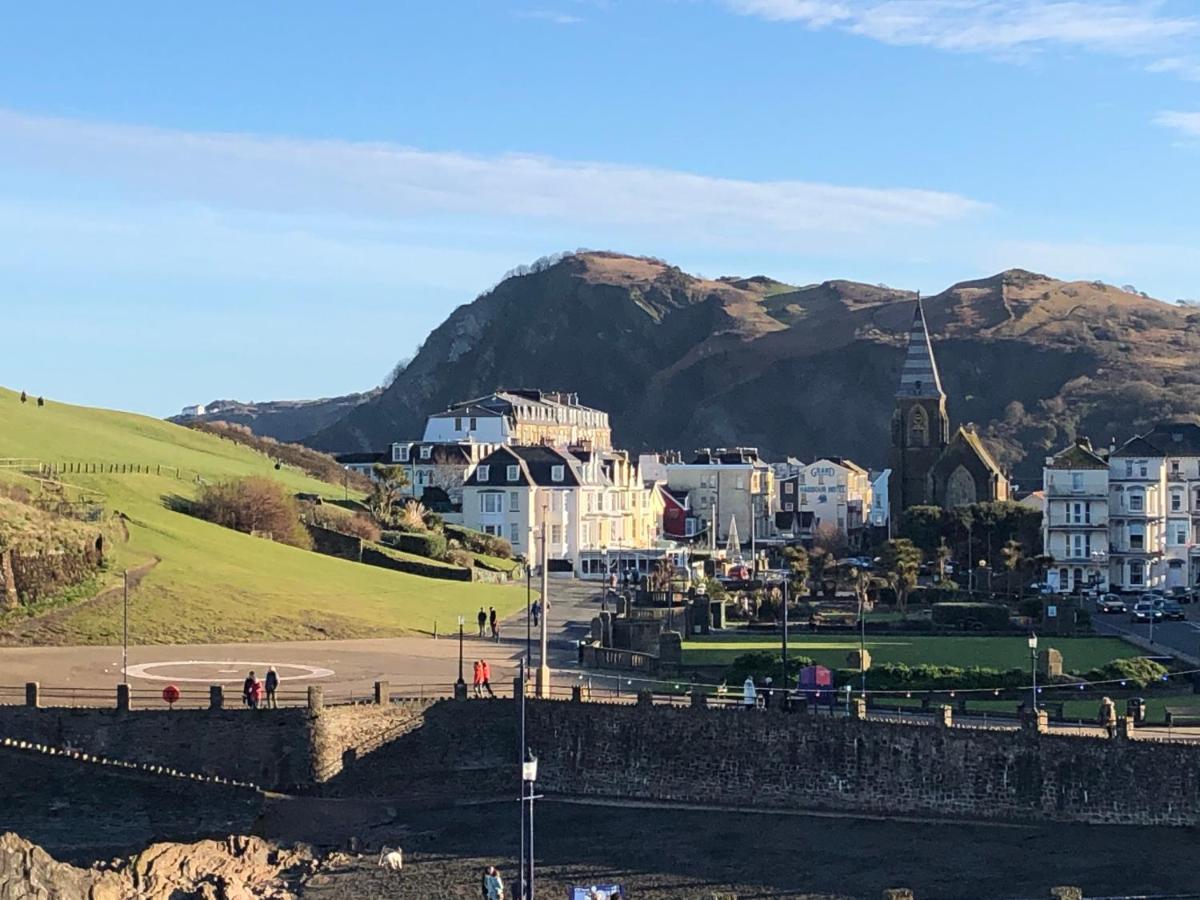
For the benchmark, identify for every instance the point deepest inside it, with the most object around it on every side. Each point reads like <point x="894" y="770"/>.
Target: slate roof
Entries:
<point x="1175" y="438"/>
<point x="1137" y="446"/>
<point x="535" y="464"/>
<point x="440" y="453"/>
<point x="976" y="443"/>
<point x="919" y="377"/>
<point x="1079" y="455"/>
<point x="347" y="459"/>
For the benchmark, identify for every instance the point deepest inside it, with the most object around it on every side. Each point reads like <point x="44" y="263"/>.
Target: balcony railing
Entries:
<point x="1093" y="493"/>
<point x="1067" y="523"/>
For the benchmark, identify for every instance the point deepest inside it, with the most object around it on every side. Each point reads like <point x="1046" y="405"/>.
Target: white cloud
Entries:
<point x="1187" y="67"/>
<point x="1126" y="27"/>
<point x="1187" y="123"/>
<point x="547" y="15"/>
<point x="391" y="183"/>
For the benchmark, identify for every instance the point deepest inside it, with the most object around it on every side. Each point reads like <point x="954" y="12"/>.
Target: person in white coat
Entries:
<point x="749" y="693"/>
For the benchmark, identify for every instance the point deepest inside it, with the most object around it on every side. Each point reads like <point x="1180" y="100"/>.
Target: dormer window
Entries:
<point x="482" y="473"/>
<point x="557" y="473"/>
<point x="426" y="451"/>
<point x="514" y="473"/>
<point x="400" y="453"/>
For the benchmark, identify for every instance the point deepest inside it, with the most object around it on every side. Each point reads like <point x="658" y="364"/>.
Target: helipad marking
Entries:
<point x="142" y="670"/>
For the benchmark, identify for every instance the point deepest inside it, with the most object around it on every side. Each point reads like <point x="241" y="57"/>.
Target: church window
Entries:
<point x="960" y="488"/>
<point x="918" y="427"/>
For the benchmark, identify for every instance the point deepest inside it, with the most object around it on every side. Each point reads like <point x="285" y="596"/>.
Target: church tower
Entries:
<point x="920" y="424"/>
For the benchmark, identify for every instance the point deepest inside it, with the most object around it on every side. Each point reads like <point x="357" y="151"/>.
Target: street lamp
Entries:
<point x="460" y="686"/>
<point x="1033" y="668"/>
<point x="529" y="769"/>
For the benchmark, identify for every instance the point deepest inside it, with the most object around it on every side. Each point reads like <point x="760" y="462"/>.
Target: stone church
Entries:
<point x="929" y="466"/>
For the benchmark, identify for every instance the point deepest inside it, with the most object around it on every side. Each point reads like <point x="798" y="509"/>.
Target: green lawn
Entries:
<point x="1079" y="654"/>
<point x="210" y="583"/>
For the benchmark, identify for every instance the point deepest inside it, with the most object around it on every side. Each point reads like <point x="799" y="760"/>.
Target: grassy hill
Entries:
<point x="203" y="582"/>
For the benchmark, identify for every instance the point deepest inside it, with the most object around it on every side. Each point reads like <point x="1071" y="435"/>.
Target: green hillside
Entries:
<point x="207" y="583"/>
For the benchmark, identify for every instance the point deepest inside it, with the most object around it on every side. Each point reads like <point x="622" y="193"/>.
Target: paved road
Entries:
<point x="1182" y="638"/>
<point x="408" y="663"/>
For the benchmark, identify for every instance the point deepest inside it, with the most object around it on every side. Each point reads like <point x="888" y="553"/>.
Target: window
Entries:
<point x="426" y="451"/>
<point x="482" y="474"/>
<point x="400" y="453"/>
<point x="1137" y="538"/>
<point x="689" y="527"/>
<point x="514" y="501"/>
<point x="1178" y="533"/>
<point x="1143" y="469"/>
<point x="789" y="488"/>
<point x="557" y="473"/>
<point x="493" y="530"/>
<point x="457" y="424"/>
<point x="1077" y="481"/>
<point x="1129" y="468"/>
<point x="918" y="427"/>
<point x="704" y="500"/>
<point x="1076" y="513"/>
<point x="1137" y="501"/>
<point x="489" y="502"/>
<point x="1176" y="501"/>
<point x="1137" y="572"/>
<point x="474" y="424"/>
<point x="740" y="483"/>
<point x="789" y="507"/>
<point x="1174" y="467"/>
<point x="556" y="534"/>
<point x="514" y="534"/>
<point x="1077" y="546"/>
<point x="514" y="473"/>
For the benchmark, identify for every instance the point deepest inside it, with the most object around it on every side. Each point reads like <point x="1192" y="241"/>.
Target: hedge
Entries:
<point x="762" y="663"/>
<point x="423" y="543"/>
<point x="479" y="542"/>
<point x="977" y="616"/>
<point x="926" y="677"/>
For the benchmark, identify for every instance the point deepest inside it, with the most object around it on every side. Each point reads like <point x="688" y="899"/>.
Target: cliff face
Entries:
<point x="284" y="420"/>
<point x="682" y="361"/>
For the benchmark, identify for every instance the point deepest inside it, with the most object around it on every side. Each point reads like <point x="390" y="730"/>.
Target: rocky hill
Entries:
<point x="284" y="420"/>
<point x="682" y="361"/>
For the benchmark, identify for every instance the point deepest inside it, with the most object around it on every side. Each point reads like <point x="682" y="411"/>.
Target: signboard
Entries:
<point x="598" y="892"/>
<point x="1051" y="611"/>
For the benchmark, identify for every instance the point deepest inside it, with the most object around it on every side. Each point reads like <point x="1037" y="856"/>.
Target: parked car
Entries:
<point x="1111" y="603"/>
<point x="1181" y="594"/>
<point x="1042" y="587"/>
<point x="1145" y="611"/>
<point x="1170" y="610"/>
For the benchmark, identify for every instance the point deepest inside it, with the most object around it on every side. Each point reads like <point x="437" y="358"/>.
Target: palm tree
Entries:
<point x="901" y="561"/>
<point x="1014" y="557"/>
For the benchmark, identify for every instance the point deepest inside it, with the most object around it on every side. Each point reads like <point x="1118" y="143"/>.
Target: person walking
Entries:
<point x="493" y="884"/>
<point x="536" y="612"/>
<point x="749" y="693"/>
<point x="248" y="690"/>
<point x="494" y="622"/>
<point x="482" y="620"/>
<point x="486" y="671"/>
<point x="477" y="678"/>
<point x="1108" y="716"/>
<point x="272" y="685"/>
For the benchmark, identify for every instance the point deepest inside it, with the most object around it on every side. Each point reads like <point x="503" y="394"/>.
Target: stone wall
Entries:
<point x="334" y="543"/>
<point x="695" y="755"/>
<point x="269" y="748"/>
<point x="751" y="758"/>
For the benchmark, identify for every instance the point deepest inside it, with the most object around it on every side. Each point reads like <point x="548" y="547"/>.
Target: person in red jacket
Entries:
<point x="258" y="694"/>
<point x="487" y="677"/>
<point x="477" y="678"/>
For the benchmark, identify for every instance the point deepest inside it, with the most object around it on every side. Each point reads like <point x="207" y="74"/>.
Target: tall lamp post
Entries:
<point x="543" y="672"/>
<point x="125" y="627"/>
<point x="1033" y="668"/>
<point x="460" y="686"/>
<point x="786" y="686"/>
<point x="529" y="770"/>
<point x="528" y="607"/>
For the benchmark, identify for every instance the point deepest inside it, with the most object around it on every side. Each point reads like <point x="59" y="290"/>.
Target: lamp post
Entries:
<point x="528" y="608"/>
<point x="862" y="643"/>
<point x="521" y="893"/>
<point x="125" y="627"/>
<point x="529" y="770"/>
<point x="1033" y="668"/>
<point x="543" y="672"/>
<point x="460" y="686"/>
<point x="786" y="688"/>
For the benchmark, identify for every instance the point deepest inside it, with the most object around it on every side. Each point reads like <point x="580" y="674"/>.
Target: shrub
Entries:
<point x="1031" y="607"/>
<point x="926" y="677"/>
<point x="412" y="517"/>
<point x="1138" y="672"/>
<point x="479" y="542"/>
<point x="459" y="558"/>
<point x="254" y="505"/>
<point x="977" y="616"/>
<point x="426" y="543"/>
<point x="341" y="520"/>
<point x="761" y="663"/>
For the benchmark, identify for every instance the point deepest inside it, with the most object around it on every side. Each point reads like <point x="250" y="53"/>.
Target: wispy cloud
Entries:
<point x="1187" y="67"/>
<point x="1186" y="123"/>
<point x="547" y="15"/>
<point x="389" y="182"/>
<point x="1010" y="27"/>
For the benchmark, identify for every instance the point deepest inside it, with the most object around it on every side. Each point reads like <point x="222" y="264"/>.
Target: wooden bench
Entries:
<point x="1182" y="715"/>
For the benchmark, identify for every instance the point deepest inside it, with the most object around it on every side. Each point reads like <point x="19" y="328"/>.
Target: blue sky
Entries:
<point x="279" y="200"/>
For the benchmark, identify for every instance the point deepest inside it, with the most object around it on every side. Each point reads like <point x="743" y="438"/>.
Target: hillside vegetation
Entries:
<point x="684" y="362"/>
<point x="202" y="582"/>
